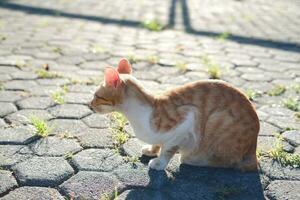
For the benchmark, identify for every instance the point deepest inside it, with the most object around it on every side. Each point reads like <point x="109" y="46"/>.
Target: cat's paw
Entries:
<point x="147" y="151"/>
<point x="157" y="164"/>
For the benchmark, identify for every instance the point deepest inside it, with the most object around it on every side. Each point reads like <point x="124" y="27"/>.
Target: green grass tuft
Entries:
<point x="297" y="115"/>
<point x="119" y="134"/>
<point x="152" y="25"/>
<point x="291" y="103"/>
<point x="68" y="155"/>
<point x="296" y="88"/>
<point x="58" y="97"/>
<point x="41" y="126"/>
<point x="152" y="60"/>
<point x="181" y="66"/>
<point x="42" y="73"/>
<point x="252" y="95"/>
<point x="223" y="36"/>
<point x="133" y="59"/>
<point x="284" y="158"/>
<point x="213" y="69"/>
<point x="277" y="90"/>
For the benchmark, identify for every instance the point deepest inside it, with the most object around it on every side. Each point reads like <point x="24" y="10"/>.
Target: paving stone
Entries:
<point x="17" y="135"/>
<point x="69" y="127"/>
<point x="96" y="120"/>
<point x="266" y="143"/>
<point x="35" y="103"/>
<point x="44" y="90"/>
<point x="22" y="75"/>
<point x="145" y="194"/>
<point x="19" y="85"/>
<point x="181" y="189"/>
<point x="23" y="116"/>
<point x="4" y="77"/>
<point x="100" y="138"/>
<point x="82" y="88"/>
<point x="292" y="136"/>
<point x="140" y="176"/>
<point x="275" y="171"/>
<point x="70" y="111"/>
<point x="267" y="129"/>
<point x="278" y="111"/>
<point x="7" y="108"/>
<point x="281" y="189"/>
<point x="79" y="98"/>
<point x="55" y="82"/>
<point x="41" y="193"/>
<point x="97" y="160"/>
<point x="10" y="96"/>
<point x="284" y="122"/>
<point x="11" y="154"/>
<point x="133" y="147"/>
<point x="2" y="123"/>
<point x="55" y="146"/>
<point x="90" y="185"/>
<point x="7" y="181"/>
<point x="43" y="171"/>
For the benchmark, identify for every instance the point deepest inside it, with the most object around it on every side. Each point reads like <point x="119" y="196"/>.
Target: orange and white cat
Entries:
<point x="209" y="122"/>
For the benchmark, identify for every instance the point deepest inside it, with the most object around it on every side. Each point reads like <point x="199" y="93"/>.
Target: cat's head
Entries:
<point x="110" y="93"/>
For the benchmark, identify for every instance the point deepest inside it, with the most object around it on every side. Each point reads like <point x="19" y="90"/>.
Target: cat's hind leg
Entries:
<point x="166" y="153"/>
<point x="151" y="150"/>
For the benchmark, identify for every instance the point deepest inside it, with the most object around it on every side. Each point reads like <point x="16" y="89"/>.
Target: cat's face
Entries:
<point x="109" y="95"/>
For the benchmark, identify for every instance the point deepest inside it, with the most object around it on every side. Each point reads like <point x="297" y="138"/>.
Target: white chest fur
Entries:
<point x="139" y="116"/>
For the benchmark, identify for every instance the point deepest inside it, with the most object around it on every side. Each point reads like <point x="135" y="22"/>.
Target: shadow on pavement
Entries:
<point x="288" y="46"/>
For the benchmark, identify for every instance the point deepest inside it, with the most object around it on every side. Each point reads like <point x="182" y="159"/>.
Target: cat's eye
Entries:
<point x="102" y="98"/>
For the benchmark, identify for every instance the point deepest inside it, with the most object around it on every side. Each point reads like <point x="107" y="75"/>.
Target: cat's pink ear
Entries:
<point x="124" y="66"/>
<point x="112" y="78"/>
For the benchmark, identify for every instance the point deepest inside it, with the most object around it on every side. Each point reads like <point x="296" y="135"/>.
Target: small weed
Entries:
<point x="1" y="86"/>
<point x="42" y="73"/>
<point x="132" y="59"/>
<point x="41" y="126"/>
<point x="259" y="153"/>
<point x="297" y="88"/>
<point x="227" y="191"/>
<point x="297" y="115"/>
<point x="119" y="119"/>
<point x="68" y="155"/>
<point x="20" y="64"/>
<point x="181" y="66"/>
<point x="97" y="49"/>
<point x="104" y="196"/>
<point x="58" y="97"/>
<point x="212" y="68"/>
<point x="119" y="137"/>
<point x="291" y="103"/>
<point x="214" y="72"/>
<point x="152" y="60"/>
<point x="277" y="90"/>
<point x="152" y="25"/>
<point x="57" y="50"/>
<point x="223" y="36"/>
<point x="131" y="159"/>
<point x="252" y="95"/>
<point x="284" y="158"/>
<point x="118" y="131"/>
<point x="66" y="135"/>
<point x="2" y="37"/>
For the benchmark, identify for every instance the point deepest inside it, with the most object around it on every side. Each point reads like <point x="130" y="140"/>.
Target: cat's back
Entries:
<point x="213" y="96"/>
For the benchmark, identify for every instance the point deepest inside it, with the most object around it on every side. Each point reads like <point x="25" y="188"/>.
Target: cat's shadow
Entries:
<point x="182" y="181"/>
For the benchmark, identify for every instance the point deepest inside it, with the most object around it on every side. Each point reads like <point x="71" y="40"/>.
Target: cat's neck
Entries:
<point x="137" y="106"/>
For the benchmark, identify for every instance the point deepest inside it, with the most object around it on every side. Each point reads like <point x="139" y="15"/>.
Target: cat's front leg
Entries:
<point x="166" y="153"/>
<point x="151" y="150"/>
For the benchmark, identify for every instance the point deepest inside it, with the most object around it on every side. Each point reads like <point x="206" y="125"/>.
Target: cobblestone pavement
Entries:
<point x="255" y="44"/>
